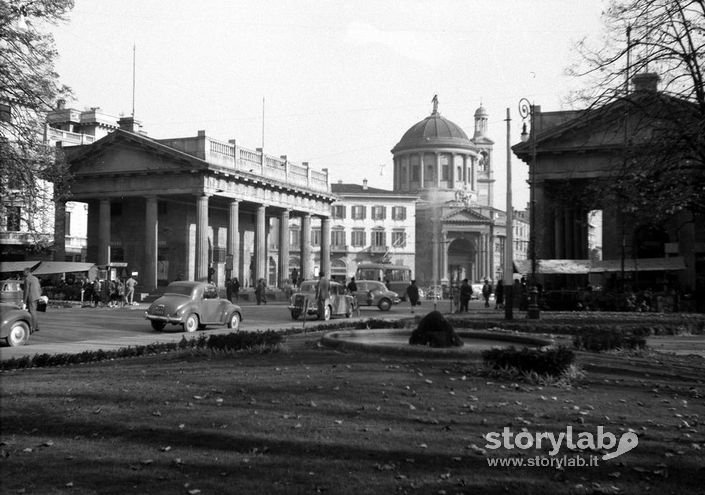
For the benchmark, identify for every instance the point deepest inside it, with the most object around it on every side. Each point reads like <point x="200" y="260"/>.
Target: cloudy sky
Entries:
<point x="341" y="80"/>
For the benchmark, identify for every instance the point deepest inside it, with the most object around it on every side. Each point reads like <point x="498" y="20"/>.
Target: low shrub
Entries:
<point x="543" y="362"/>
<point x="244" y="340"/>
<point x="601" y="339"/>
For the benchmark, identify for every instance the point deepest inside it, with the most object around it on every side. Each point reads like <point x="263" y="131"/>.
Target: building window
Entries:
<point x="399" y="239"/>
<point x="315" y="237"/>
<point x="337" y="237"/>
<point x="415" y="173"/>
<point x="338" y="211"/>
<point x="358" y="212"/>
<point x="379" y="213"/>
<point x="444" y="172"/>
<point x="379" y="238"/>
<point x="295" y="238"/>
<point x="13" y="218"/>
<point x="67" y="224"/>
<point x="358" y="238"/>
<point x="399" y="213"/>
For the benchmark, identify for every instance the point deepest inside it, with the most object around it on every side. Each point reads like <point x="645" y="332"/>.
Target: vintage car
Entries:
<point x="11" y="291"/>
<point x="193" y="305"/>
<point x="374" y="293"/>
<point x="303" y="302"/>
<point x="15" y="324"/>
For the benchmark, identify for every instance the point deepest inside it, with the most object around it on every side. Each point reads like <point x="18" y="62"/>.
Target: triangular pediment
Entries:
<point x="123" y="152"/>
<point x="465" y="215"/>
<point x="603" y="127"/>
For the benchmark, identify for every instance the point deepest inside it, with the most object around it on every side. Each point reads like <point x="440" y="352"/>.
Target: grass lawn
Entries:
<point x="317" y="420"/>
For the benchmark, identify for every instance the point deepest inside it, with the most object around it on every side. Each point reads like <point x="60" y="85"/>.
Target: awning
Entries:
<point x="563" y="267"/>
<point x="49" y="267"/>
<point x="16" y="266"/>
<point x="580" y="267"/>
<point x="639" y="265"/>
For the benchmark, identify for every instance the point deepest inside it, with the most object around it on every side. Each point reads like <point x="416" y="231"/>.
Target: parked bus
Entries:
<point x="396" y="277"/>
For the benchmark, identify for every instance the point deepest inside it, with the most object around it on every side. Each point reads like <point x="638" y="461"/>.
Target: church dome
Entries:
<point x="434" y="132"/>
<point x="481" y="112"/>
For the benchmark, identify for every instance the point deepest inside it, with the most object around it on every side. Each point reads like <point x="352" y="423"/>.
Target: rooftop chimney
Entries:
<point x="646" y="81"/>
<point x="130" y="124"/>
<point x="364" y="184"/>
<point x="60" y="104"/>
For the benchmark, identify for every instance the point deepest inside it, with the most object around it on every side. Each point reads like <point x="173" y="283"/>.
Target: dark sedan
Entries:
<point x="15" y="324"/>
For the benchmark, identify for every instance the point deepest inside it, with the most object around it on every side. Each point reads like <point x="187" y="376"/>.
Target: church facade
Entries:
<point x="452" y="175"/>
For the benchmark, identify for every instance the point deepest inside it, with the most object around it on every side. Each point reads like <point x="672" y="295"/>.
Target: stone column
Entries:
<point x="444" y="257"/>
<point x="465" y="170"/>
<point x="306" y="247"/>
<point x="151" y="225"/>
<point x="434" y="248"/>
<point x="407" y="159"/>
<point x="104" y="232"/>
<point x="325" y="246"/>
<point x="233" y="247"/>
<point x="260" y="243"/>
<point x="60" y="230"/>
<point x="451" y="172"/>
<point x="422" y="184"/>
<point x="438" y="170"/>
<point x="201" y="273"/>
<point x="283" y="247"/>
<point x="473" y="173"/>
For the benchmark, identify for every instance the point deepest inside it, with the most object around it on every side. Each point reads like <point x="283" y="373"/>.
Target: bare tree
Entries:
<point x="662" y="170"/>
<point x="29" y="87"/>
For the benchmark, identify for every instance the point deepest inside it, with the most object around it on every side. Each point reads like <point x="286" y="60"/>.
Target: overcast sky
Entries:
<point x="341" y="80"/>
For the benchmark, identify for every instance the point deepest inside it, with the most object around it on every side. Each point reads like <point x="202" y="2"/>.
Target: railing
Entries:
<point x="67" y="137"/>
<point x="255" y="162"/>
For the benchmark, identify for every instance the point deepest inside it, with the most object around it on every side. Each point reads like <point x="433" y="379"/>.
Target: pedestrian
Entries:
<point x="412" y="293"/>
<point x="32" y="294"/>
<point x="499" y="295"/>
<point x="322" y="294"/>
<point x="229" y="289"/>
<point x="465" y="295"/>
<point x="121" y="293"/>
<point x="235" y="287"/>
<point x="486" y="292"/>
<point x="294" y="277"/>
<point x="352" y="286"/>
<point x="130" y="285"/>
<point x="260" y="292"/>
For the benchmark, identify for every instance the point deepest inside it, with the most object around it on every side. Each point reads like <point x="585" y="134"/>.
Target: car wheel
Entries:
<point x="326" y="313"/>
<point x="191" y="323"/>
<point x="295" y="315"/>
<point x="158" y="325"/>
<point x="19" y="334"/>
<point x="234" y="321"/>
<point x="385" y="305"/>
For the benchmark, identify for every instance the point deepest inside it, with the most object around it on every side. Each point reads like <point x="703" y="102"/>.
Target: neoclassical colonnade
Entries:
<point x="171" y="213"/>
<point x="405" y="162"/>
<point x="202" y="263"/>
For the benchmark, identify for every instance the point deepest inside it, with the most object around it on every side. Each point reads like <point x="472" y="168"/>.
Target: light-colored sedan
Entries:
<point x="193" y="305"/>
<point x="374" y="293"/>
<point x="303" y="302"/>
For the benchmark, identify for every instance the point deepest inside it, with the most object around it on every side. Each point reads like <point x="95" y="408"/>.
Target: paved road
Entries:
<point x="72" y="330"/>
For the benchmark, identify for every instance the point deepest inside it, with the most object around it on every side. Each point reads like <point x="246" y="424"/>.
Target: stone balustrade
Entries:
<point x="242" y="159"/>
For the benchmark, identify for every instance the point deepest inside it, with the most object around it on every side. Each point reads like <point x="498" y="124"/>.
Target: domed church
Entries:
<point x="457" y="230"/>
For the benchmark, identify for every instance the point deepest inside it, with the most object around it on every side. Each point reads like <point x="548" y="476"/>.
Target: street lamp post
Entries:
<point x="526" y="109"/>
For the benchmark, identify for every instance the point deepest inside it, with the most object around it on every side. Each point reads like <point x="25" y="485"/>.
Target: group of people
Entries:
<point x="111" y="293"/>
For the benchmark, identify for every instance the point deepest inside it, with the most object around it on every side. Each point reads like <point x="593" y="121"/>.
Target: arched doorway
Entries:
<point x="461" y="253"/>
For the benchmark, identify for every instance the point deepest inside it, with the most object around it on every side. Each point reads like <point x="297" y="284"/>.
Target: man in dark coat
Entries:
<point x="32" y="293"/>
<point x="412" y="292"/>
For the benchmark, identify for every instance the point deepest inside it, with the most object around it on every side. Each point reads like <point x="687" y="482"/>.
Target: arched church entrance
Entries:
<point x="461" y="253"/>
